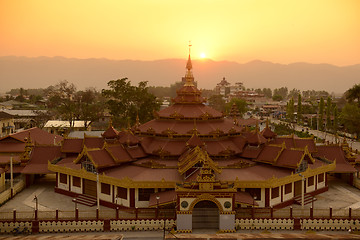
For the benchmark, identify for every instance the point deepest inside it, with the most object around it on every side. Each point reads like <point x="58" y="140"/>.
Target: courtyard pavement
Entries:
<point x="340" y="195"/>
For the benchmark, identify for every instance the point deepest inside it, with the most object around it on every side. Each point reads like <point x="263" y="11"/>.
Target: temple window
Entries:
<point x="76" y="181"/>
<point x="63" y="178"/>
<point x="310" y="181"/>
<point x="144" y="193"/>
<point x="275" y="192"/>
<point x="88" y="166"/>
<point x="122" y="192"/>
<point x="288" y="188"/>
<point x="105" y="188"/>
<point x="321" y="177"/>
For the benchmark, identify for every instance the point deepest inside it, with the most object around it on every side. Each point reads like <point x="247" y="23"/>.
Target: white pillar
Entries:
<point x="11" y="174"/>
<point x="98" y="190"/>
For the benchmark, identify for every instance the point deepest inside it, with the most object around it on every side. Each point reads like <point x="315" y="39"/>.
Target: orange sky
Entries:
<point x="282" y="31"/>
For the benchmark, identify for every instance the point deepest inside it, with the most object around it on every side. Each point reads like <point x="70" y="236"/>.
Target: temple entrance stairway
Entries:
<point x="85" y="200"/>
<point x="308" y="198"/>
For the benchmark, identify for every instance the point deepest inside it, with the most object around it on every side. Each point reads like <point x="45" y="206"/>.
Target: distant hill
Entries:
<point x="42" y="72"/>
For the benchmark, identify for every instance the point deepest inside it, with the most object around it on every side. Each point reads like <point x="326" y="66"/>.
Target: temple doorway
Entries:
<point x="205" y="214"/>
<point x="297" y="188"/>
<point x="89" y="188"/>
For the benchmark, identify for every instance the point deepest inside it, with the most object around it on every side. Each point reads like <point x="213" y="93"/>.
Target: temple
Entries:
<point x="192" y="158"/>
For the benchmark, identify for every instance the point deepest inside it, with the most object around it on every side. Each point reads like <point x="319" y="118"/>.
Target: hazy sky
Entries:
<point x="282" y="31"/>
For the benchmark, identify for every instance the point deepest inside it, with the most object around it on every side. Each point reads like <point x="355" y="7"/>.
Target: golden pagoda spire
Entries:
<point x="189" y="78"/>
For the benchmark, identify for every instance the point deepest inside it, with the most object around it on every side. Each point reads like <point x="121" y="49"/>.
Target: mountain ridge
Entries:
<point x="41" y="72"/>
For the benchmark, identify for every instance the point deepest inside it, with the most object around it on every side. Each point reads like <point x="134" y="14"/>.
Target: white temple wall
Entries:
<point x="122" y="201"/>
<point x="74" y="188"/>
<point x="289" y="195"/>
<point x="64" y="186"/>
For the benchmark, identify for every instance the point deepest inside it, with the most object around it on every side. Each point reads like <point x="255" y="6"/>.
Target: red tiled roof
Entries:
<point x="267" y="133"/>
<point x="269" y="154"/>
<point x="259" y="172"/>
<point x="195" y="141"/>
<point x="38" y="163"/>
<point x="72" y="145"/>
<point x="136" y="151"/>
<point x="12" y="147"/>
<point x="244" y="198"/>
<point x="127" y="137"/>
<point x="38" y="136"/>
<point x="256" y="139"/>
<point x="101" y="158"/>
<point x="119" y="153"/>
<point x="93" y="142"/>
<point x="332" y="153"/>
<point x="251" y="152"/>
<point x="155" y="146"/>
<point x="137" y="173"/>
<point x="290" y="158"/>
<point x="189" y="111"/>
<point x="162" y="126"/>
<point x="292" y="142"/>
<point x="111" y="132"/>
<point x="303" y="142"/>
<point x="164" y="198"/>
<point x="5" y="159"/>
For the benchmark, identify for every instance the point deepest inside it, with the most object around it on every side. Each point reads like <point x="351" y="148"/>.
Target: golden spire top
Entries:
<point x="189" y="76"/>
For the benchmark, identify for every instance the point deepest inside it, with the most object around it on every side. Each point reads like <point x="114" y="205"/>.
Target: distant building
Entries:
<point x="63" y="127"/>
<point x="225" y="89"/>
<point x="6" y="124"/>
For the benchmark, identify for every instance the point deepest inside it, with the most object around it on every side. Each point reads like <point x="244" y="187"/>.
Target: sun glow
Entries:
<point x="202" y="55"/>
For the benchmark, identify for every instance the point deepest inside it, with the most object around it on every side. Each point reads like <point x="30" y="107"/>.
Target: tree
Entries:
<point x="353" y="94"/>
<point x="89" y="105"/>
<point x="60" y="101"/>
<point x="125" y="102"/>
<point x="299" y="110"/>
<point x="283" y="92"/>
<point x="321" y="114"/>
<point x="329" y="111"/>
<point x="267" y="92"/>
<point x="240" y="104"/>
<point x="217" y="102"/>
<point x="350" y="116"/>
<point x="290" y="110"/>
<point x="293" y="93"/>
<point x="336" y="118"/>
<point x="277" y="98"/>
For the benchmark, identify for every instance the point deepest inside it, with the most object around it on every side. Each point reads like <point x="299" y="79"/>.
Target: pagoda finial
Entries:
<point x="110" y="123"/>
<point x="267" y="122"/>
<point x="189" y="76"/>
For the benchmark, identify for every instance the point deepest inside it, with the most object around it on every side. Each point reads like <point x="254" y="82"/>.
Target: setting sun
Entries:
<point x="202" y="55"/>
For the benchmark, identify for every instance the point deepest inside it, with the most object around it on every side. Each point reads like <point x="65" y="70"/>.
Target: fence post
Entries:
<point x="36" y="214"/>
<point x="117" y="213"/>
<point x="76" y="214"/>
<point x="311" y="213"/>
<point x="252" y="212"/>
<point x="14" y="215"/>
<point x="272" y="212"/>
<point x="291" y="212"/>
<point x="330" y="212"/>
<point x="349" y="213"/>
<point x="97" y="214"/>
<point x="57" y="214"/>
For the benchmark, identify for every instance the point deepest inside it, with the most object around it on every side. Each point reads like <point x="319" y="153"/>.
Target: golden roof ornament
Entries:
<point x="189" y="78"/>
